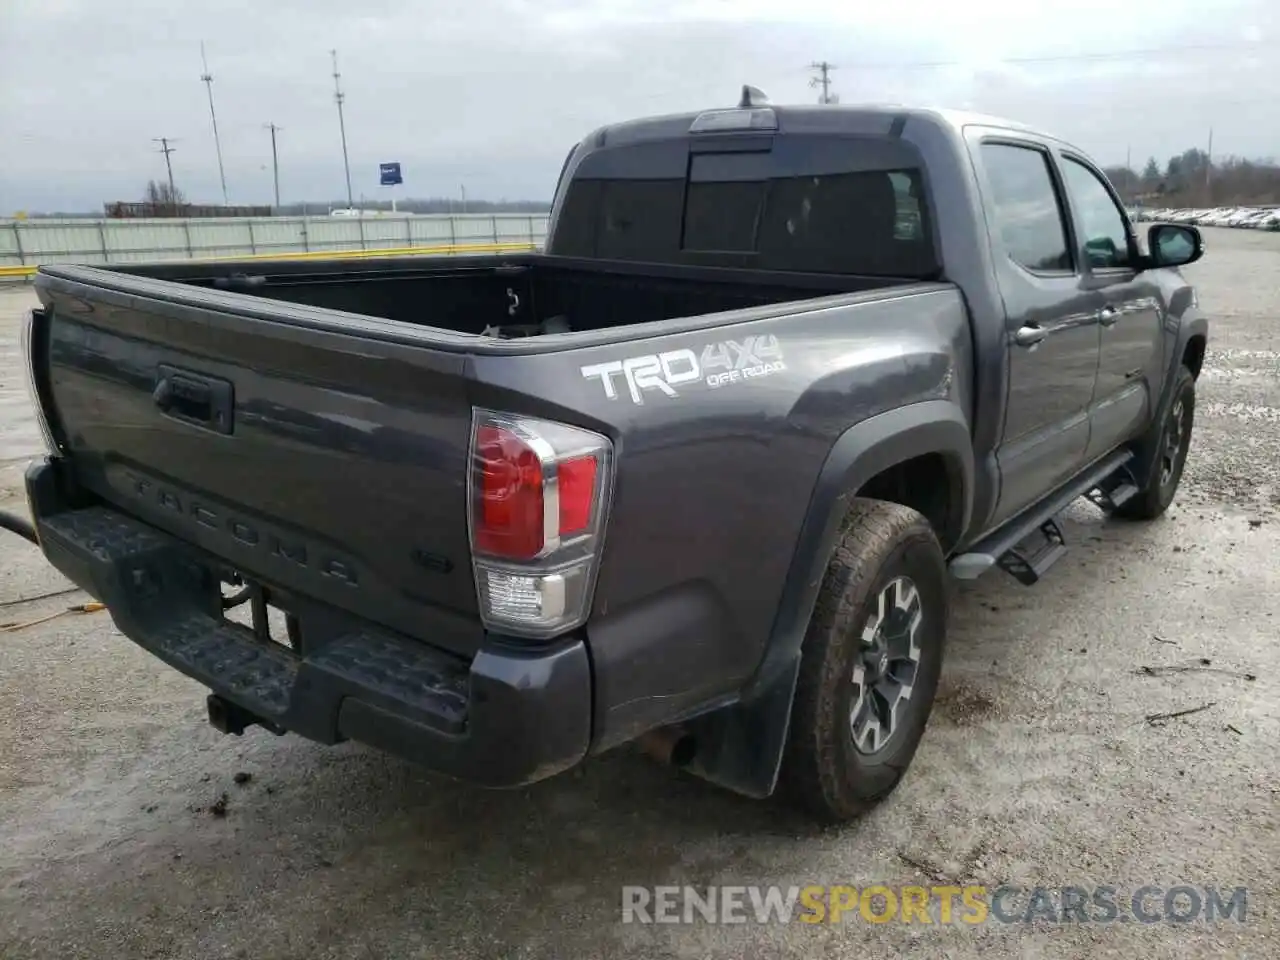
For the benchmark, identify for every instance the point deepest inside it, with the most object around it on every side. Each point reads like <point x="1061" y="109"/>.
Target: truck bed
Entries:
<point x="509" y="296"/>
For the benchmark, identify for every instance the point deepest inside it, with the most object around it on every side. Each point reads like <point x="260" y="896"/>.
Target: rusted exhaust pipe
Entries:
<point x="668" y="745"/>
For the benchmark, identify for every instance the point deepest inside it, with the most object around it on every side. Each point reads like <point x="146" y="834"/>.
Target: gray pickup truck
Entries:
<point x="696" y="476"/>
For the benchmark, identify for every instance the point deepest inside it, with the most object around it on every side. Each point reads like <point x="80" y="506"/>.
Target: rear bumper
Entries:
<point x="505" y="718"/>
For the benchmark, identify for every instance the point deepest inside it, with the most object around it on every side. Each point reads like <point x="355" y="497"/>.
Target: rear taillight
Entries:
<point x="539" y="492"/>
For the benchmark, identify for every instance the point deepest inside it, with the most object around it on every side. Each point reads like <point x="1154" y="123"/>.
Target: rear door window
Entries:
<point x="1027" y="210"/>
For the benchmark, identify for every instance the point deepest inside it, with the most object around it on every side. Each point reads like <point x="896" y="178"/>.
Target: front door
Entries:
<point x="1130" y="361"/>
<point x="1051" y="321"/>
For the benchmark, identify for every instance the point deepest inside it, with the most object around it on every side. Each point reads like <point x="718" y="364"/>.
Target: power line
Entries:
<point x="786" y="76"/>
<point x="338" y="97"/>
<point x="823" y="80"/>
<point x="783" y="76"/>
<point x="275" y="162"/>
<point x="1136" y="54"/>
<point x="166" y="150"/>
<point x="207" y="79"/>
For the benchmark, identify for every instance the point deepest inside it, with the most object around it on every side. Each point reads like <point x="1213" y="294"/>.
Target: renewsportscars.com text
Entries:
<point x="933" y="905"/>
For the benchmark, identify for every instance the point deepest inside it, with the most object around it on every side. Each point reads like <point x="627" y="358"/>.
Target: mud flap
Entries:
<point x="740" y="746"/>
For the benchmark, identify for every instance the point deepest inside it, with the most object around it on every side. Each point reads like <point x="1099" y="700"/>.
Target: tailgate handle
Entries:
<point x="195" y="398"/>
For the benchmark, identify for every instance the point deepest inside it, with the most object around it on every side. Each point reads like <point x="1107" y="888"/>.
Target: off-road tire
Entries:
<point x="1154" y="499"/>
<point x="822" y="770"/>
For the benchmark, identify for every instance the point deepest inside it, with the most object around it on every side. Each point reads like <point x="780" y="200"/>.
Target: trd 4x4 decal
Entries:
<point x="717" y="365"/>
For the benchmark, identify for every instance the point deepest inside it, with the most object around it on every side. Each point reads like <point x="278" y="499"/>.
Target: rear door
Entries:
<point x="1051" y="331"/>
<point x="1129" y="308"/>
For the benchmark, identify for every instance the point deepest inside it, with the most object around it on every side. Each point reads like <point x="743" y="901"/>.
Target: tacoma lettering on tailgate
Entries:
<point x="188" y="509"/>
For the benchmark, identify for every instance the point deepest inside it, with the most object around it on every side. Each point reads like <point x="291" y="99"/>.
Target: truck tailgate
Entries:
<point x="318" y="461"/>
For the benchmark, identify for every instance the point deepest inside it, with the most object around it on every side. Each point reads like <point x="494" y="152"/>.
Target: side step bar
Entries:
<point x="1116" y="490"/>
<point x="1109" y="483"/>
<point x="1028" y="570"/>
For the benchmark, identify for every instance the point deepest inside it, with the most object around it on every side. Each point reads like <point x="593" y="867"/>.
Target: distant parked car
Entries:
<point x="1251" y="218"/>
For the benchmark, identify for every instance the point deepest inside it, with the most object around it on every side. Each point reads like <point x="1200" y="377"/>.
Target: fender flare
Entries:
<point x="861" y="452"/>
<point x="740" y="746"/>
<point x="1148" y="444"/>
<point x="1196" y="326"/>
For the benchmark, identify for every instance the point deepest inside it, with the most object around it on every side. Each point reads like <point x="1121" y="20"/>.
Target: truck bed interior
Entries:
<point x="511" y="296"/>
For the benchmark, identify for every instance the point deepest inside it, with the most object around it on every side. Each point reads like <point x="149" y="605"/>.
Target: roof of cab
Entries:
<point x="866" y="119"/>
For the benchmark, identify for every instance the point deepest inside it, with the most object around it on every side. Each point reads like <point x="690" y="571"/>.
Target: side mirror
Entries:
<point x="1173" y="245"/>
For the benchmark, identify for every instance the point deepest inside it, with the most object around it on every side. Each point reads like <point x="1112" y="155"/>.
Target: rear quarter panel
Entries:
<point x="720" y="436"/>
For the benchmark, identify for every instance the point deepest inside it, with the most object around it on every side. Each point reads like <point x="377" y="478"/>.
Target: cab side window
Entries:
<point x="1027" y="211"/>
<point x="1105" y="237"/>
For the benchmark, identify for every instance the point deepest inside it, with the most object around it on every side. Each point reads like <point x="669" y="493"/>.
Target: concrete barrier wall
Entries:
<point x="24" y="244"/>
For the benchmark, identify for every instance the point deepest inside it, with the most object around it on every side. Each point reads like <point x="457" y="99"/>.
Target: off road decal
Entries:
<point x="717" y="365"/>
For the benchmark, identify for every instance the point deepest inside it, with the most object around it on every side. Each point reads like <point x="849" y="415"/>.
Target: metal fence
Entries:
<point x="25" y="244"/>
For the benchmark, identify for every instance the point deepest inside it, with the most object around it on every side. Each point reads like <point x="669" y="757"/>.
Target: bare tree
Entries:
<point x="1192" y="179"/>
<point x="158" y="192"/>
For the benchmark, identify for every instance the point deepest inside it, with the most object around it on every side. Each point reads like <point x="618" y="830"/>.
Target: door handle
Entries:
<point x="198" y="399"/>
<point x="1029" y="335"/>
<point x="1108" y="315"/>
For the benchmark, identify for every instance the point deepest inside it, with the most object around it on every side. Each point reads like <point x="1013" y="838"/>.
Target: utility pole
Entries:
<point x="1128" y="174"/>
<point x="207" y="78"/>
<point x="275" y="162"/>
<point x="166" y="150"/>
<point x="823" y="80"/>
<point x="338" y="97"/>
<point x="463" y="188"/>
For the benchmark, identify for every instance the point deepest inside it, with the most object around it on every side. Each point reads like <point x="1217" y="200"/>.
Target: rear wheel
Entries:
<point x="1172" y="446"/>
<point x="870" y="663"/>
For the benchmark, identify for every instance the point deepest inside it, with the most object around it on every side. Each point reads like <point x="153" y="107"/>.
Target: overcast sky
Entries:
<point x="492" y="93"/>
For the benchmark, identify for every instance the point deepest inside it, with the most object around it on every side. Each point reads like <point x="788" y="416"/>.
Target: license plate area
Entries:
<point x="267" y="613"/>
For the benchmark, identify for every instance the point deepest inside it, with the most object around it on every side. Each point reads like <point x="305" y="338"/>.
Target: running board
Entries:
<point x="1001" y="548"/>
<point x="1115" y="490"/>
<point x="1028" y="569"/>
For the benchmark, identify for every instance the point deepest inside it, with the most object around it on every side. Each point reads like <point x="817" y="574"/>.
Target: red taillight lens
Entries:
<point x="510" y="518"/>
<point x="577" y="478"/>
<point x="511" y="513"/>
<point x="539" y="498"/>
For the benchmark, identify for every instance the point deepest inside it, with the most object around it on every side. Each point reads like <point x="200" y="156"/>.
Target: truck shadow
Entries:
<point x="624" y="819"/>
<point x="361" y="849"/>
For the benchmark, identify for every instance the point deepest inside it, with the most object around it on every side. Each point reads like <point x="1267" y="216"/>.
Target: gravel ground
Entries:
<point x="1038" y="767"/>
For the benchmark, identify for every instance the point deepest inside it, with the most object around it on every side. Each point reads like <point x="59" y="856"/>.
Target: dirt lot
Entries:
<point x="1038" y="768"/>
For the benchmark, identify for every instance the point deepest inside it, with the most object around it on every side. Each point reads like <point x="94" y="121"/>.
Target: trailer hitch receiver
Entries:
<point x="228" y="717"/>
